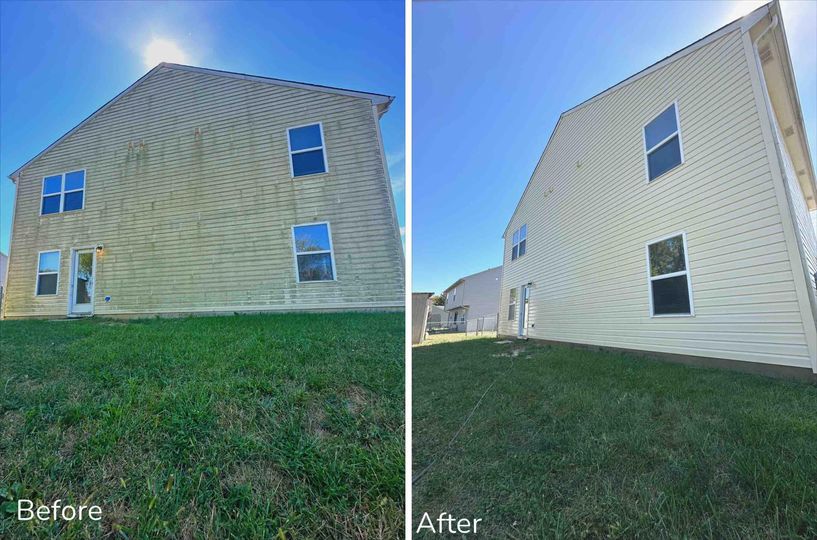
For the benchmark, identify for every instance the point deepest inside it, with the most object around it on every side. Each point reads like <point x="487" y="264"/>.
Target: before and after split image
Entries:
<point x="393" y="269"/>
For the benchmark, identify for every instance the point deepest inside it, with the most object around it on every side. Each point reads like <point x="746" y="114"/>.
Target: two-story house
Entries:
<point x="204" y="191"/>
<point x="472" y="298"/>
<point x="671" y="213"/>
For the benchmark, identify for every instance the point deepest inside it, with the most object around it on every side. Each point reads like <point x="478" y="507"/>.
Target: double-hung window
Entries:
<point x="520" y="241"/>
<point x="512" y="305"/>
<point x="668" y="272"/>
<point x="307" y="154"/>
<point x="48" y="272"/>
<point x="314" y="258"/>
<point x="63" y="192"/>
<point x="662" y="143"/>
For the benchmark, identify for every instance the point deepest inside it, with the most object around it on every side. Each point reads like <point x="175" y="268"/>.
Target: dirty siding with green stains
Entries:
<point x="188" y="187"/>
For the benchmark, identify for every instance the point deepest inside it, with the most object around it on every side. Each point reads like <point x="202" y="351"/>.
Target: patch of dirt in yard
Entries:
<point x="11" y="424"/>
<point x="232" y="416"/>
<point x="69" y="442"/>
<point x="316" y="418"/>
<point x="513" y="353"/>
<point x="265" y="479"/>
<point x="115" y="517"/>
<point x="189" y="526"/>
<point x="357" y="399"/>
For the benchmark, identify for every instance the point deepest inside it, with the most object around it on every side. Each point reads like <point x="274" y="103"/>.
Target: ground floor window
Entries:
<point x="512" y="305"/>
<point x="48" y="272"/>
<point x="668" y="272"/>
<point x="314" y="258"/>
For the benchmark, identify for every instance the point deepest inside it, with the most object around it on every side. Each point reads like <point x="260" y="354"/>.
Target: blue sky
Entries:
<point x="489" y="83"/>
<point x="61" y="61"/>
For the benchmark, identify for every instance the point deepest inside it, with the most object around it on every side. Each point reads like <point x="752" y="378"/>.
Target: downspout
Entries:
<point x="780" y="159"/>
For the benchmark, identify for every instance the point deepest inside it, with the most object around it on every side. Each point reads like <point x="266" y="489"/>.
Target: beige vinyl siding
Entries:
<point x="203" y="222"/>
<point x="590" y="213"/>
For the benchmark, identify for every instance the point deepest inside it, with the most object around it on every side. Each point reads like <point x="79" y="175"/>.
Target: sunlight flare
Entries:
<point x="163" y="50"/>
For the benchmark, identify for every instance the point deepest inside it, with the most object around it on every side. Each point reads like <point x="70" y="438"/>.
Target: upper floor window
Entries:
<point x="520" y="241"/>
<point x="453" y="295"/>
<point x="306" y="150"/>
<point x="313" y="252"/>
<point x="48" y="272"/>
<point x="63" y="192"/>
<point x="670" y="288"/>
<point x="662" y="143"/>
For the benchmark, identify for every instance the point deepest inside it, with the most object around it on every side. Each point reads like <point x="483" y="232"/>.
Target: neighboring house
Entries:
<point x="474" y="296"/>
<point x="670" y="213"/>
<point x="203" y="191"/>
<point x="436" y="314"/>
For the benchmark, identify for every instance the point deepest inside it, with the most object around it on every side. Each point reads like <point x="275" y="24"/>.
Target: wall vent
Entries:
<point x="765" y="54"/>
<point x="788" y="132"/>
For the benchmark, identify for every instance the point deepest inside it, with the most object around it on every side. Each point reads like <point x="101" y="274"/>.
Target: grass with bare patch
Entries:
<point x="571" y="443"/>
<point x="218" y="427"/>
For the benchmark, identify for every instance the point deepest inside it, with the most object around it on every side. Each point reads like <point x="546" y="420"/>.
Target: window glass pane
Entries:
<point x="308" y="163"/>
<point x="522" y="247"/>
<point x="85" y="269"/>
<point x="312" y="238"/>
<point x="52" y="184"/>
<point x="660" y="128"/>
<point x="305" y="137"/>
<point x="516" y="236"/>
<point x="47" y="284"/>
<point x="49" y="262"/>
<point x="664" y="158"/>
<point x="51" y="204"/>
<point x="315" y="267"/>
<point x="75" y="180"/>
<point x="670" y="296"/>
<point x="523" y="232"/>
<point x="73" y="201"/>
<point x="667" y="256"/>
<point x="514" y="252"/>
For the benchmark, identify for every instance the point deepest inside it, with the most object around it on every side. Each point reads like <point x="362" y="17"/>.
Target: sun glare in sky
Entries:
<point x="163" y="50"/>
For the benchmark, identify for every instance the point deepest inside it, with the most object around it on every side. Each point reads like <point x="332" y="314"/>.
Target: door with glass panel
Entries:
<point x="82" y="282"/>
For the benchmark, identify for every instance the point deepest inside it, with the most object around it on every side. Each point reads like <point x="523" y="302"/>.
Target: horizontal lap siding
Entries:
<point x="204" y="223"/>
<point x="590" y="213"/>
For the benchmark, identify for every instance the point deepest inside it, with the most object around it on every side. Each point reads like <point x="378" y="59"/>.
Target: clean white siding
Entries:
<point x="590" y="213"/>
<point x="203" y="222"/>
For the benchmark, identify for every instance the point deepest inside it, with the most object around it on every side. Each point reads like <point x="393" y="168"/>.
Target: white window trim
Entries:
<point x="59" y="263"/>
<point x="519" y="241"/>
<point x="658" y="144"/>
<point x="322" y="147"/>
<point x="63" y="192"/>
<point x="686" y="272"/>
<point x="330" y="251"/>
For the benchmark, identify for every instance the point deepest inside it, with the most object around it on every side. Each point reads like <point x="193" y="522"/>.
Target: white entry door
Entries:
<point x="82" y="282"/>
<point x="523" y="310"/>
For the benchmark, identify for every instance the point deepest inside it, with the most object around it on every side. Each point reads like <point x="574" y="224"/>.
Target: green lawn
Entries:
<point x="573" y="443"/>
<point x="286" y="426"/>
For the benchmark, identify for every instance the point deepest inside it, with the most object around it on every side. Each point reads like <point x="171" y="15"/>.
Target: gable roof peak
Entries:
<point x="381" y="101"/>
